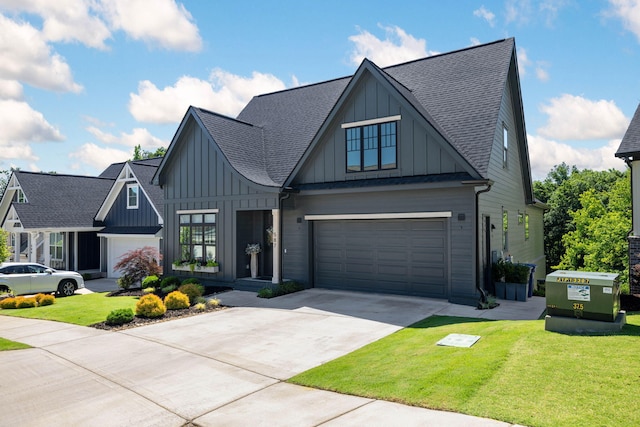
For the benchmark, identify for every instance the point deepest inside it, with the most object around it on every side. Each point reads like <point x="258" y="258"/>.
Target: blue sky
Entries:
<point x="84" y="81"/>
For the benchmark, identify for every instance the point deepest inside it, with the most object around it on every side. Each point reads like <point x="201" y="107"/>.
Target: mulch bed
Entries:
<point x="169" y="315"/>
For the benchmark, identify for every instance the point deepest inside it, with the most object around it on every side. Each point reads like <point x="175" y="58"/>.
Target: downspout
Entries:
<point x="284" y="195"/>
<point x="488" y="184"/>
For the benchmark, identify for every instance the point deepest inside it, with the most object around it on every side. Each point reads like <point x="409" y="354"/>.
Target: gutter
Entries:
<point x="488" y="184"/>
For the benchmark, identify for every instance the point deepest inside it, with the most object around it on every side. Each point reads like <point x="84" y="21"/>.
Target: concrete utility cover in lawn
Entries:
<point x="459" y="340"/>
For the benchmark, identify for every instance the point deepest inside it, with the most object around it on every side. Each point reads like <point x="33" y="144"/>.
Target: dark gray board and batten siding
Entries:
<point x="143" y="216"/>
<point x="201" y="179"/>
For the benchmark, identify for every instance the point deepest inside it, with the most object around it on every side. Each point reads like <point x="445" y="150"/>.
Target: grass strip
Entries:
<point x="6" y="345"/>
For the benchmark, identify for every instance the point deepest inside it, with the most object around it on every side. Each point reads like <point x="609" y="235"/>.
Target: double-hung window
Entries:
<point x="198" y="236"/>
<point x="132" y="196"/>
<point x="371" y="147"/>
<point x="56" y="242"/>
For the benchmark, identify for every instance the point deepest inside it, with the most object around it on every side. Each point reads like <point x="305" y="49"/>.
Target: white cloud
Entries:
<point x="518" y="11"/>
<point x="26" y="57"/>
<point x="99" y="157"/>
<point x="474" y="41"/>
<point x="225" y="93"/>
<point x="577" y="118"/>
<point x="523" y="61"/>
<point x="65" y="20"/>
<point x="139" y="136"/>
<point x="629" y="13"/>
<point x="397" y="47"/>
<point x="22" y="124"/>
<point x="10" y="89"/>
<point x="544" y="154"/>
<point x="541" y="73"/>
<point x="485" y="14"/>
<point x="163" y="23"/>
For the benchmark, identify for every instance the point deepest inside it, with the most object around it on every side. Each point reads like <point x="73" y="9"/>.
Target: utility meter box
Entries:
<point x="583" y="295"/>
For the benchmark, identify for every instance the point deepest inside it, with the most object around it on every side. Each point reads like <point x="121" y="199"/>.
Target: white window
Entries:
<point x="20" y="197"/>
<point x="505" y="230"/>
<point x="505" y="146"/>
<point x="56" y="246"/>
<point x="132" y="196"/>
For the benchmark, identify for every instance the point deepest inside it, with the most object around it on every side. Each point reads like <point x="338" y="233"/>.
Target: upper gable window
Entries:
<point x="132" y="196"/>
<point x="19" y="196"/>
<point x="505" y="146"/>
<point x="371" y="147"/>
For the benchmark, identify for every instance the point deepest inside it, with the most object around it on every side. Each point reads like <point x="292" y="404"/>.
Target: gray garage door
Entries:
<point x="407" y="257"/>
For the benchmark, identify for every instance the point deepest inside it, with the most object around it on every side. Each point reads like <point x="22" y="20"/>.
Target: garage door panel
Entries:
<point x="395" y="256"/>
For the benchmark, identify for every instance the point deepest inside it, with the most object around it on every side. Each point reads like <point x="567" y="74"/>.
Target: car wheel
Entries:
<point x="4" y="289"/>
<point x="66" y="288"/>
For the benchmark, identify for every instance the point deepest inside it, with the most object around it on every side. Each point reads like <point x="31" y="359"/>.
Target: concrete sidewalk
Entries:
<point x="221" y="368"/>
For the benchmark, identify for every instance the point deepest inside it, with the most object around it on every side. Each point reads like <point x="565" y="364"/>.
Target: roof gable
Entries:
<point x="139" y="172"/>
<point x="630" y="144"/>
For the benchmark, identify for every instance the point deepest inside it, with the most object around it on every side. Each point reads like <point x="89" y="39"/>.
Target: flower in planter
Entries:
<point x="253" y="248"/>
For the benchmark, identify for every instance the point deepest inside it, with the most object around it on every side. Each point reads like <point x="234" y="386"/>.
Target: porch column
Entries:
<point x="47" y="249"/>
<point x="33" y="246"/>
<point x="16" y="247"/>
<point x="276" y="246"/>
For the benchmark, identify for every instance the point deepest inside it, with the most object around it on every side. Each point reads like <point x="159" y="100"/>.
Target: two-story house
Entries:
<point x="408" y="179"/>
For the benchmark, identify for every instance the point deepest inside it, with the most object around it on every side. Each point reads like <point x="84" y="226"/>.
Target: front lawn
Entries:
<point x="517" y="372"/>
<point x="82" y="310"/>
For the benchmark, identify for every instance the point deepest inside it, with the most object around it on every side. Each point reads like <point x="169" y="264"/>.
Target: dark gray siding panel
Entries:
<point x="199" y="178"/>
<point x="420" y="150"/>
<point x="119" y="215"/>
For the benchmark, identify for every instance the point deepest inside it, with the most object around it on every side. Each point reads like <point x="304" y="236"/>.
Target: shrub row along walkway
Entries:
<point x="220" y="368"/>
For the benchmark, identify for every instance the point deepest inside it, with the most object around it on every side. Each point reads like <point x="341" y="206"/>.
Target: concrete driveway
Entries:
<point x="223" y="368"/>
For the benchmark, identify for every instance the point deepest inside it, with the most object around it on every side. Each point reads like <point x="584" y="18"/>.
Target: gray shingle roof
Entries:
<point x="74" y="202"/>
<point x="144" y="171"/>
<point x="630" y="144"/>
<point x="459" y="93"/>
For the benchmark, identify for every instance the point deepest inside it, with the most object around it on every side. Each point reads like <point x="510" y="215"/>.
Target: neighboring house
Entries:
<point x="50" y="219"/>
<point x="83" y="223"/>
<point x="407" y="179"/>
<point x="131" y="212"/>
<point x="629" y="151"/>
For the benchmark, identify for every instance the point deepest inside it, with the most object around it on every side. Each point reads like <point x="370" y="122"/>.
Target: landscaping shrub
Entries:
<point x="8" y="303"/>
<point x="200" y="306"/>
<point x="149" y="290"/>
<point x="214" y="302"/>
<point x="46" y="300"/>
<point x="152" y="281"/>
<point x="281" y="289"/>
<point x="170" y="281"/>
<point x="192" y="290"/>
<point x="22" y="302"/>
<point x="125" y="282"/>
<point x="176" y="300"/>
<point x="120" y="316"/>
<point x="199" y="300"/>
<point x="168" y="289"/>
<point x="150" y="305"/>
<point x="265" y="293"/>
<point x="139" y="263"/>
<point x="191" y="280"/>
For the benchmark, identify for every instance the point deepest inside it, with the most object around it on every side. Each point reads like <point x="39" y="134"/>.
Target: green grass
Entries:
<point x="517" y="372"/>
<point x="80" y="310"/>
<point x="6" y="345"/>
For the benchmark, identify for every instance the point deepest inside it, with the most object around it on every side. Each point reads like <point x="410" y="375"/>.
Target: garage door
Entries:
<point x="405" y="256"/>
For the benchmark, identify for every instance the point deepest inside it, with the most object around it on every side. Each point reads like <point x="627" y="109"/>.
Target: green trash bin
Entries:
<point x="583" y="295"/>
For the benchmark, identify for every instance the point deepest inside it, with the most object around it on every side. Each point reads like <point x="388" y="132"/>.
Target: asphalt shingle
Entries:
<point x="630" y="144"/>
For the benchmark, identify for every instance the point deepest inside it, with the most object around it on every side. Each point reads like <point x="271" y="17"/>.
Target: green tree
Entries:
<point x="598" y="241"/>
<point x="4" y="247"/>
<point x="561" y="191"/>
<point x="140" y="154"/>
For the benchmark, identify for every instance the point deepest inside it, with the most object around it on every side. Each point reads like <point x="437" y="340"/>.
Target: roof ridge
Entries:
<point x="204" y="110"/>
<point x="62" y="174"/>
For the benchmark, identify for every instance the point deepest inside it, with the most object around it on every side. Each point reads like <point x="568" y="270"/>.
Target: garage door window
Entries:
<point x="198" y="237"/>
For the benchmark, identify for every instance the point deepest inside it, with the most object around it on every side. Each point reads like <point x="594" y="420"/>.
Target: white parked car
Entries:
<point x="32" y="278"/>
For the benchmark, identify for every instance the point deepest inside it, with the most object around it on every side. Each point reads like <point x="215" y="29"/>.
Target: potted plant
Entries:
<point x="497" y="273"/>
<point x="253" y="249"/>
<point x="516" y="281"/>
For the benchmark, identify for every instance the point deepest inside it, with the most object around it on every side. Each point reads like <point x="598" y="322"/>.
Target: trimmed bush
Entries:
<point x="191" y="280"/>
<point x="192" y="290"/>
<point x="214" y="302"/>
<point x="176" y="300"/>
<point x="46" y="300"/>
<point x="152" y="281"/>
<point x="168" y="289"/>
<point x="200" y="306"/>
<point x="22" y="302"/>
<point x="125" y="282"/>
<point x="8" y="303"/>
<point x="120" y="316"/>
<point x="170" y="281"/>
<point x="265" y="293"/>
<point x="150" y="305"/>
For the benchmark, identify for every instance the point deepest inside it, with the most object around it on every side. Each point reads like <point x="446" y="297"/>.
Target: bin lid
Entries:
<point x="582" y="277"/>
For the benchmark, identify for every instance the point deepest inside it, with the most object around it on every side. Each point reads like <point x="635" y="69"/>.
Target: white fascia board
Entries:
<point x="391" y="215"/>
<point x="197" y="211"/>
<point x="131" y="236"/>
<point x="371" y="122"/>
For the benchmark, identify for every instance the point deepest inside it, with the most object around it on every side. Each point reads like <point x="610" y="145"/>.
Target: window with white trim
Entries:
<point x="132" y="196"/>
<point x="19" y="196"/>
<point x="371" y="147"/>
<point x="56" y="245"/>
<point x="198" y="237"/>
<point x="505" y="146"/>
<point x="505" y="230"/>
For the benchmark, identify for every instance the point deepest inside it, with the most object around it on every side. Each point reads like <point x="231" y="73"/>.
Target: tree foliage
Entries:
<point x="140" y="154"/>
<point x="4" y="247"/>
<point x="137" y="264"/>
<point x="561" y="190"/>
